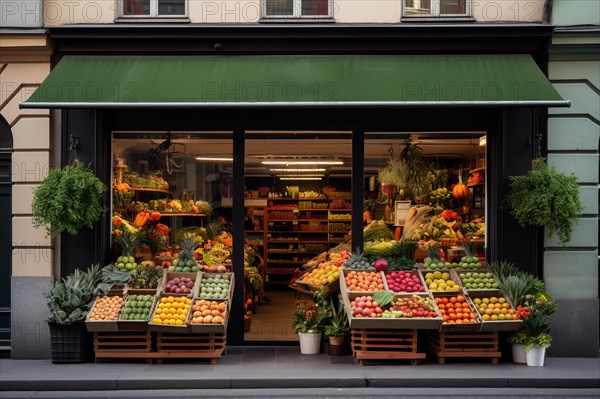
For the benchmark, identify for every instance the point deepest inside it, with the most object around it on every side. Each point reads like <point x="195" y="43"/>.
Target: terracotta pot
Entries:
<point x="389" y="189"/>
<point x="336" y="340"/>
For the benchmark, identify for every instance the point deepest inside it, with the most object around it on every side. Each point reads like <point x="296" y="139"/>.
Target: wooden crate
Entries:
<point x="454" y="344"/>
<point x="385" y="345"/>
<point x="123" y="344"/>
<point x="404" y="323"/>
<point x="191" y="346"/>
<point x="102" y="325"/>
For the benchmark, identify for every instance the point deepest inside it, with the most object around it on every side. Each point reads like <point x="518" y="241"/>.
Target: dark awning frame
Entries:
<point x="330" y="81"/>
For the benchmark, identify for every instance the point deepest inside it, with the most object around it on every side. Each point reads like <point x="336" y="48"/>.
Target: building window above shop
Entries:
<point x="443" y="9"/>
<point x="309" y="10"/>
<point x="153" y="8"/>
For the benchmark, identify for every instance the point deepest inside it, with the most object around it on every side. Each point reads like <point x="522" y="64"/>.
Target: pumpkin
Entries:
<point x="460" y="190"/>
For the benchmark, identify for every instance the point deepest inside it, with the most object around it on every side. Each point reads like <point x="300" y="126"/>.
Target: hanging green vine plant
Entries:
<point x="68" y="200"/>
<point x="545" y="197"/>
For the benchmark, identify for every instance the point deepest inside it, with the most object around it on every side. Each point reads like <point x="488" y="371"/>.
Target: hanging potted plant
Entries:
<point x="68" y="200"/>
<point x="392" y="178"/>
<point x="545" y="197"/>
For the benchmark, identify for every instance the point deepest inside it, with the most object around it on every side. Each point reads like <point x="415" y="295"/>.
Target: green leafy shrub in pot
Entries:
<point x="70" y="299"/>
<point x="545" y="197"/>
<point x="68" y="200"/>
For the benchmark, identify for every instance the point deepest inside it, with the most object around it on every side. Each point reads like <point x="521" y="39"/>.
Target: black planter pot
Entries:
<point x="69" y="343"/>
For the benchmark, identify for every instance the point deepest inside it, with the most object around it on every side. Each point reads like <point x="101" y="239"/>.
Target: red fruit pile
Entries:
<point x="365" y="306"/>
<point x="179" y="285"/>
<point x="404" y="282"/>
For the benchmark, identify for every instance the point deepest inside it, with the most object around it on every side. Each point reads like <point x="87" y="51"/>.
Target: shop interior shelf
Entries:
<point x="151" y="189"/>
<point x="287" y="262"/>
<point x="173" y="214"/>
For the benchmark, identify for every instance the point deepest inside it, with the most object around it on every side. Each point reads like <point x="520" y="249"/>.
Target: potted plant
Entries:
<point x="69" y="302"/>
<point x="391" y="177"/>
<point x="68" y="200"/>
<point x="545" y="197"/>
<point x="517" y="285"/>
<point x="308" y="321"/>
<point x="536" y="312"/>
<point x="337" y="329"/>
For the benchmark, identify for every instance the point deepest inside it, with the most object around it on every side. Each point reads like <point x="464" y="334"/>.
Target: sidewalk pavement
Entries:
<point x="285" y="367"/>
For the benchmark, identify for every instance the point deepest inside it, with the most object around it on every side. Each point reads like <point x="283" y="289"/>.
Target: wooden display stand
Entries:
<point x="190" y="346"/>
<point x="138" y="345"/>
<point x="447" y="344"/>
<point x="384" y="345"/>
<point x="122" y="344"/>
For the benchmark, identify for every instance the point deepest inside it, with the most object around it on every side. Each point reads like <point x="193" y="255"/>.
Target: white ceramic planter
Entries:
<point x="519" y="355"/>
<point x="535" y="357"/>
<point x="310" y="343"/>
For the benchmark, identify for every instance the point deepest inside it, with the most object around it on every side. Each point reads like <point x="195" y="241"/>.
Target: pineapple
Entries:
<point x="185" y="260"/>
<point x="127" y="241"/>
<point x="358" y="261"/>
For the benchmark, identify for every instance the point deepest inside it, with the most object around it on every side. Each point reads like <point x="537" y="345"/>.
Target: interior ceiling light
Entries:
<point x="483" y="140"/>
<point x="215" y="159"/>
<point x="293" y="170"/>
<point x="314" y="162"/>
<point x="300" y="178"/>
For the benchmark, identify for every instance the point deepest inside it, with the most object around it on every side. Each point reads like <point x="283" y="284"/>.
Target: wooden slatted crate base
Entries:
<point x="191" y="346"/>
<point x="385" y="345"/>
<point x="122" y="344"/>
<point x="455" y="344"/>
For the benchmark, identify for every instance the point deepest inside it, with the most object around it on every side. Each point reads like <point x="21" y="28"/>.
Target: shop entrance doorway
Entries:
<point x="297" y="207"/>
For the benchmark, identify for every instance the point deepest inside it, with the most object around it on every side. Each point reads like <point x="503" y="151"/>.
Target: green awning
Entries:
<point x="294" y="81"/>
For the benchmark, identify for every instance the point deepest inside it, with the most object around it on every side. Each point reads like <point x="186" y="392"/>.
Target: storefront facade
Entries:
<point x="573" y="69"/>
<point x="511" y="128"/>
<point x="26" y="254"/>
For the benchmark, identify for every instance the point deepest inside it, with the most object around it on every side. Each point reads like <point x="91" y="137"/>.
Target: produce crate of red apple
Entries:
<point x="458" y="312"/>
<point x="209" y="316"/>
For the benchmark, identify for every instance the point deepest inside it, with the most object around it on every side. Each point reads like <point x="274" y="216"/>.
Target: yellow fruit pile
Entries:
<point x="322" y="276"/>
<point x="440" y="281"/>
<point x="208" y="312"/>
<point x="495" y="308"/>
<point x="106" y="308"/>
<point x="172" y="311"/>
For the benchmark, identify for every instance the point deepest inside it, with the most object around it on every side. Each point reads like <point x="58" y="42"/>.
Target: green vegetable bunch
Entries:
<point x="70" y="300"/>
<point x="68" y="199"/>
<point x="545" y="197"/>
